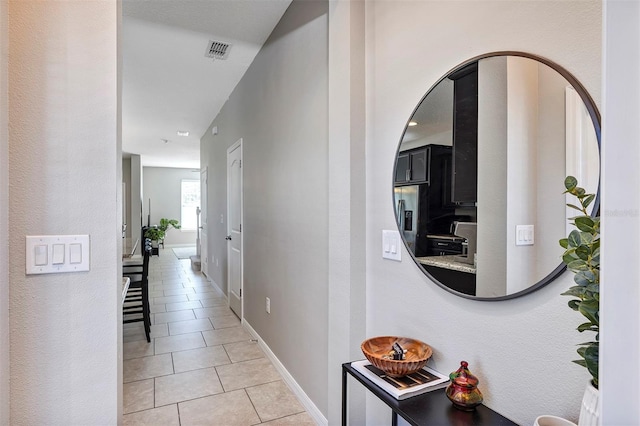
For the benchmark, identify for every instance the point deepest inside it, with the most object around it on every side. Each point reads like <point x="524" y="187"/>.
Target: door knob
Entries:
<point x="228" y="237"/>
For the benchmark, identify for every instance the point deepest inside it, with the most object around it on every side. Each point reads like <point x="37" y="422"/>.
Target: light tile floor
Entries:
<point x="201" y="367"/>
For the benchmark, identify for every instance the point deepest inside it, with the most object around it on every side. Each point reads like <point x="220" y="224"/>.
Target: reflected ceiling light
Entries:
<point x="413" y="123"/>
<point x="183" y="133"/>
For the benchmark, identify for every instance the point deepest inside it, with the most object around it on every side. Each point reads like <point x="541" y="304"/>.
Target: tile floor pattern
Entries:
<point x="201" y="367"/>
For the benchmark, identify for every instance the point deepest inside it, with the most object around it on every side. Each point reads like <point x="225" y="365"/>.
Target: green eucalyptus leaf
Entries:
<point x="591" y="355"/>
<point x="588" y="200"/>
<point x="581" y="279"/>
<point x="590" y="309"/>
<point x="583" y="252"/>
<point x="580" y="362"/>
<point x="575" y="291"/>
<point x="570" y="183"/>
<point x="584" y="223"/>
<point x="574" y="239"/>
<point x="574" y="304"/>
<point x="586" y="238"/>
<point x="586" y="326"/>
<point x="578" y="265"/>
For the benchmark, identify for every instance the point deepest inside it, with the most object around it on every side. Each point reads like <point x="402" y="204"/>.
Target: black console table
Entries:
<point x="431" y="408"/>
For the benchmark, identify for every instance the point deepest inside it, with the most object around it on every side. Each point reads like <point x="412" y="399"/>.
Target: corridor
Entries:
<point x="201" y="367"/>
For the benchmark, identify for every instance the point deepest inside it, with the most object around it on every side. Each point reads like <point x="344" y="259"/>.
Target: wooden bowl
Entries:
<point x="378" y="351"/>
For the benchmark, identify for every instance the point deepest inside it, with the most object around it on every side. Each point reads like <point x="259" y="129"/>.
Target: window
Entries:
<point x="190" y="200"/>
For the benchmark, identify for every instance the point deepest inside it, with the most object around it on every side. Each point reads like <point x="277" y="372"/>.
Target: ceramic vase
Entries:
<point x="590" y="409"/>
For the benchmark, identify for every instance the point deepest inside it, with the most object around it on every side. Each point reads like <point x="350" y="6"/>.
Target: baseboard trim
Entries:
<point x="308" y="404"/>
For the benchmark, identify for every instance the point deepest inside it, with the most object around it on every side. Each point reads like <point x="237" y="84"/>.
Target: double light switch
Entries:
<point x="50" y="254"/>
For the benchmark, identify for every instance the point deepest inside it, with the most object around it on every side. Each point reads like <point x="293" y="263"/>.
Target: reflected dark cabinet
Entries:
<point x="465" y="134"/>
<point x="412" y="166"/>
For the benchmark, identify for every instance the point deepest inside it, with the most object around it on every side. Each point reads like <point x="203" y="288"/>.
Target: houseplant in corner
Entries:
<point x="582" y="257"/>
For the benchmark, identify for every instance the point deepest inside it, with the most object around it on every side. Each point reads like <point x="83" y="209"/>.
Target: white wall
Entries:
<point x="620" y="293"/>
<point x="4" y="221"/>
<point x="64" y="177"/>
<point x="412" y="44"/>
<point x="279" y="109"/>
<point x="163" y="186"/>
<point x="491" y="275"/>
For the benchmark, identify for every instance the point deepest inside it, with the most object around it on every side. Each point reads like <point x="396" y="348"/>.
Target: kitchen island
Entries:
<point x="458" y="276"/>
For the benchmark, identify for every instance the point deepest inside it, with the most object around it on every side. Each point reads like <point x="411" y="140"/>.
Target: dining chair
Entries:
<point x="136" y="303"/>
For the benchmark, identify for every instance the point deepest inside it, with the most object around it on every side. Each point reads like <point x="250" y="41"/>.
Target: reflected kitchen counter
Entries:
<point x="447" y="262"/>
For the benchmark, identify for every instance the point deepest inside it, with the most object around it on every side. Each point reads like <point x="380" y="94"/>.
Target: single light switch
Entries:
<point x="57" y="254"/>
<point x="40" y="254"/>
<point x="75" y="253"/>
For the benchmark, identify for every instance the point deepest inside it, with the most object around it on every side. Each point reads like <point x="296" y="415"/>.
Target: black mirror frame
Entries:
<point x="595" y="119"/>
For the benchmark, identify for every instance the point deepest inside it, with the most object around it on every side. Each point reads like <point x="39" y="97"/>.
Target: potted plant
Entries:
<point x="158" y="232"/>
<point x="582" y="257"/>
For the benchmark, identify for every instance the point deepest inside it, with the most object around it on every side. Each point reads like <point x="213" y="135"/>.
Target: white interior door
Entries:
<point x="204" y="251"/>
<point x="234" y="227"/>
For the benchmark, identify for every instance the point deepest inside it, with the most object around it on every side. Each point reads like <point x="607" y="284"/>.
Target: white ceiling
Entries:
<point x="167" y="82"/>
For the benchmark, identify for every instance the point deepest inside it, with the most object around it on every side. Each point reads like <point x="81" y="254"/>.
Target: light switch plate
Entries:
<point x="54" y="254"/>
<point x="391" y="241"/>
<point x="524" y="235"/>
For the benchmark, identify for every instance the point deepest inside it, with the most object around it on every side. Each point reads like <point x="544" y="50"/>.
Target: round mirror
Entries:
<point x="478" y="185"/>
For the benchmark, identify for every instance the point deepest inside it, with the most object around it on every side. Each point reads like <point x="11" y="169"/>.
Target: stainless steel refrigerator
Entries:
<point x="407" y="202"/>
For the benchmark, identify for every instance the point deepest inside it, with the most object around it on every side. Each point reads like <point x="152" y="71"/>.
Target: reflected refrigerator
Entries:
<point x="407" y="202"/>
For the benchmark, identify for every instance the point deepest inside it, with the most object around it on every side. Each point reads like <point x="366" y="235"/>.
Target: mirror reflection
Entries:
<point x="478" y="181"/>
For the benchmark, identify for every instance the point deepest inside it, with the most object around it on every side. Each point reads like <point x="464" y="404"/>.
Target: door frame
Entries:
<point x="204" y="211"/>
<point x="236" y="145"/>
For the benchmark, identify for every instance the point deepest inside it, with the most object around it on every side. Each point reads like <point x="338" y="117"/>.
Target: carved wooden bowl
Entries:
<point x="379" y="352"/>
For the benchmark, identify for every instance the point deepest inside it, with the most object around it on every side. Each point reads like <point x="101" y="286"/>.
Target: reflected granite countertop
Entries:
<point x="447" y="262"/>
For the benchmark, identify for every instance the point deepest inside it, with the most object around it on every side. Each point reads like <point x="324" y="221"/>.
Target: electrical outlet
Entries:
<point x="268" y="305"/>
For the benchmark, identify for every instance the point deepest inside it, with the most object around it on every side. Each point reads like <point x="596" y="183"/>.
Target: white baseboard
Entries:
<point x="308" y="404"/>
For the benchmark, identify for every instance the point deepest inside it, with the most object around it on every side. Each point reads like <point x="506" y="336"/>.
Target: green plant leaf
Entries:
<point x="586" y="238"/>
<point x="570" y="183"/>
<point x="575" y="291"/>
<point x="574" y="207"/>
<point x="583" y="252"/>
<point x="574" y="304"/>
<point x="591" y="355"/>
<point x="580" y="362"/>
<point x="574" y="239"/>
<point x="586" y="326"/>
<point x="588" y="200"/>
<point x="578" y="265"/>
<point x="564" y="243"/>
<point x="584" y="223"/>
<point x="590" y="309"/>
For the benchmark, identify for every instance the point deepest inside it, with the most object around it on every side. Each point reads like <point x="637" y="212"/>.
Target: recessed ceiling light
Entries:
<point x="413" y="123"/>
<point x="183" y="133"/>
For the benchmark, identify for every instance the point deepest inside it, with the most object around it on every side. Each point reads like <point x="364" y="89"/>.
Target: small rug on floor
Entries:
<point x="184" y="252"/>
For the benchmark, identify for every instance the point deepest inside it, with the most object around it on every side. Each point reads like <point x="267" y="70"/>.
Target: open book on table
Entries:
<point x="424" y="380"/>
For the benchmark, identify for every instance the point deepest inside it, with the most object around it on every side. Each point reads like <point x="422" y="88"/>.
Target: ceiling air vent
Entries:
<point x="217" y="50"/>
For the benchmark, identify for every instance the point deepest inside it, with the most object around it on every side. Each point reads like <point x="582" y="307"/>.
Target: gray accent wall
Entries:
<point x="279" y="110"/>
